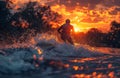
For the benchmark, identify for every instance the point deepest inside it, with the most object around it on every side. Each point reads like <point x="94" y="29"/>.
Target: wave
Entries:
<point x="19" y="60"/>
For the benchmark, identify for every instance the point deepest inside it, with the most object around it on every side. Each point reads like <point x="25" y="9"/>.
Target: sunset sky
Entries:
<point x="85" y="14"/>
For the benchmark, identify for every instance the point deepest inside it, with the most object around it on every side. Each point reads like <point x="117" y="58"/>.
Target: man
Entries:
<point x="65" y="31"/>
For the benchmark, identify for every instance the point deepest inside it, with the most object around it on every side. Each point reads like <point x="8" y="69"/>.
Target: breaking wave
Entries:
<point x="18" y="60"/>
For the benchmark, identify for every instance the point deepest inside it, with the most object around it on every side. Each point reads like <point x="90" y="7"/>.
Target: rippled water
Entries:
<point x="49" y="59"/>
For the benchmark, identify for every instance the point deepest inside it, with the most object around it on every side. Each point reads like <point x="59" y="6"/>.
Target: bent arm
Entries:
<point x="59" y="29"/>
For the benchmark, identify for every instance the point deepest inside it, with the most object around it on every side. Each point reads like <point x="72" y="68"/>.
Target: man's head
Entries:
<point x="67" y="20"/>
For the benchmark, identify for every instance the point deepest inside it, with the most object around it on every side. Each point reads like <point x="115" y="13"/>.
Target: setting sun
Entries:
<point x="76" y="28"/>
<point x="84" y="18"/>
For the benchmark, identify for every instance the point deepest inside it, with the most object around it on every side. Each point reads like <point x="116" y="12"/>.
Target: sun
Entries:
<point x="76" y="28"/>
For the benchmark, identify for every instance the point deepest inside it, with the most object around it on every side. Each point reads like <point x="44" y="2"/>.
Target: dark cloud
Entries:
<point x="91" y="4"/>
<point x="72" y="3"/>
<point x="115" y="11"/>
<point x="110" y="3"/>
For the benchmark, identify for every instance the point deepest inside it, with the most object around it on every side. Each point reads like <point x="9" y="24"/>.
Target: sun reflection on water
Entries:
<point x="95" y="75"/>
<point x="93" y="67"/>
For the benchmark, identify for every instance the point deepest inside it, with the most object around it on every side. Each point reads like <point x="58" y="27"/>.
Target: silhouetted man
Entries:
<point x="65" y="31"/>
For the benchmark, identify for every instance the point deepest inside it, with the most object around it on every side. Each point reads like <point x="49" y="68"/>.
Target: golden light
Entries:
<point x="111" y="75"/>
<point x="75" y="16"/>
<point x="39" y="51"/>
<point x="79" y="76"/>
<point x="82" y="18"/>
<point x="76" y="28"/>
<point x="76" y="68"/>
<point x="66" y="65"/>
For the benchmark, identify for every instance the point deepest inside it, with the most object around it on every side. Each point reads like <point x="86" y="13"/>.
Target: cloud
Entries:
<point x="91" y="4"/>
<point x="72" y="3"/>
<point x="110" y="3"/>
<point x="86" y="11"/>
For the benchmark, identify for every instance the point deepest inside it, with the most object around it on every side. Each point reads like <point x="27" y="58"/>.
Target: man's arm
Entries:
<point x="59" y="29"/>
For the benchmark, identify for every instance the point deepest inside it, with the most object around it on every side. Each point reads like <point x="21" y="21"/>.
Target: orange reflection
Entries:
<point x="66" y="65"/>
<point x="94" y="75"/>
<point x="111" y="75"/>
<point x="109" y="66"/>
<point x="76" y="68"/>
<point x="41" y="58"/>
<point x="82" y="60"/>
<point x="39" y="51"/>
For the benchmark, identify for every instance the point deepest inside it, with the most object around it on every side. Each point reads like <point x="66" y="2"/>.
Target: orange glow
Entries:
<point x="76" y="29"/>
<point x="84" y="19"/>
<point x="82" y="60"/>
<point x="109" y="66"/>
<point x="75" y="68"/>
<point x="22" y="23"/>
<point x="95" y="75"/>
<point x="32" y="41"/>
<point x="41" y="58"/>
<point x="111" y="75"/>
<point x="99" y="76"/>
<point x="66" y="65"/>
<point x="39" y="51"/>
<point x="16" y="7"/>
<point x="79" y="76"/>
